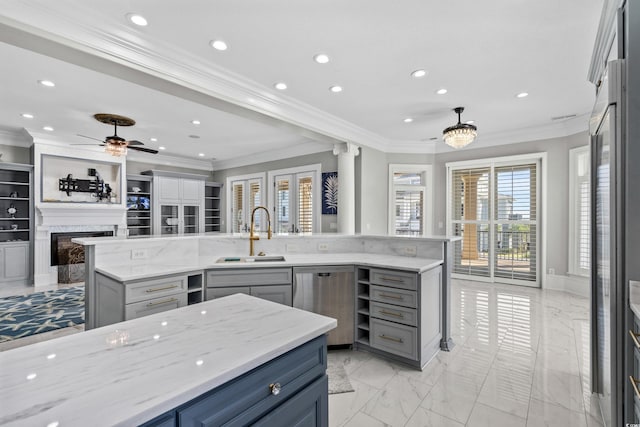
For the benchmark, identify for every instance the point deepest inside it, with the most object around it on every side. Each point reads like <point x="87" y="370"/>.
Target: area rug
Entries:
<point x="338" y="379"/>
<point x="21" y="316"/>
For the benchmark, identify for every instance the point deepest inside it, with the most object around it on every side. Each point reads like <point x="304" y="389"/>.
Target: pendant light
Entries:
<point x="461" y="134"/>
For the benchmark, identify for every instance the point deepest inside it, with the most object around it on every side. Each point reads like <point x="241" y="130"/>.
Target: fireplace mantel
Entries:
<point x="80" y="214"/>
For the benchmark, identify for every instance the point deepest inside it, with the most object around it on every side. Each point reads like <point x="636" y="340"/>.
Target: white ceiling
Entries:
<point x="166" y="74"/>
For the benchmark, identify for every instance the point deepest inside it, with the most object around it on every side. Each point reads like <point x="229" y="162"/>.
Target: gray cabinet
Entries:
<point x="16" y="211"/>
<point x="273" y="284"/>
<point x="119" y="301"/>
<point x="290" y="390"/>
<point x="139" y="205"/>
<point x="212" y="206"/>
<point x="398" y="313"/>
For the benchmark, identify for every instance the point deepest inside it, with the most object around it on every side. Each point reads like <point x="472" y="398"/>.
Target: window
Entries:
<point x="408" y="194"/>
<point x="493" y="205"/>
<point x="579" y="216"/>
<point x="295" y="200"/>
<point x="245" y="193"/>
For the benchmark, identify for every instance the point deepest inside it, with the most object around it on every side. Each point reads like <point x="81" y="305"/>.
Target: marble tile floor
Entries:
<point x="521" y="359"/>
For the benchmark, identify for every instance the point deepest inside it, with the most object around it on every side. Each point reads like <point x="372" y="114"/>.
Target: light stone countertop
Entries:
<point x="127" y="373"/>
<point x="137" y="270"/>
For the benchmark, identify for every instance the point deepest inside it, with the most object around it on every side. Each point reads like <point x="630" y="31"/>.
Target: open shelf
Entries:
<point x="137" y="211"/>
<point x="212" y="206"/>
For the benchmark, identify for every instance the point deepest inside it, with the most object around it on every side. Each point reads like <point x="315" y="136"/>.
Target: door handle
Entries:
<point x="324" y="274"/>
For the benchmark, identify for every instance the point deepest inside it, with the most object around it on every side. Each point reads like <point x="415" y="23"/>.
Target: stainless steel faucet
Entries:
<point x="252" y="235"/>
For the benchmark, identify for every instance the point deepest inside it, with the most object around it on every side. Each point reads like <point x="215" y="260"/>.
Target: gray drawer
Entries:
<point x="148" y="289"/>
<point x="394" y="313"/>
<point x="395" y="279"/>
<point x="393" y="296"/>
<point x="394" y="338"/>
<point x="153" y="306"/>
<point x="213" y="293"/>
<point x="248" y="277"/>
<point x="243" y="401"/>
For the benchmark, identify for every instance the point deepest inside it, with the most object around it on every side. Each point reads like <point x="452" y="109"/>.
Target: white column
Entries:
<point x="346" y="153"/>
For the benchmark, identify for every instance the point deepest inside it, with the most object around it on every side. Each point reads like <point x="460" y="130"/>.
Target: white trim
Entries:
<point x="576" y="285"/>
<point x="314" y="170"/>
<point x="427" y="208"/>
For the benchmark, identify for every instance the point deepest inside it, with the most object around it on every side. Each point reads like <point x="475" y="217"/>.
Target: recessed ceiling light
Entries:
<point x="47" y="83"/>
<point x="408" y="120"/>
<point x="27" y="115"/>
<point x="195" y="122"/>
<point x="162" y="148"/>
<point x="139" y="20"/>
<point x="522" y="95"/>
<point x="153" y="139"/>
<point x="419" y="73"/>
<point x="321" y="58"/>
<point x="335" y="89"/>
<point x="218" y="45"/>
<point x="194" y="136"/>
<point x="48" y="128"/>
<point x="280" y="86"/>
<point x="201" y="154"/>
<point x="441" y="91"/>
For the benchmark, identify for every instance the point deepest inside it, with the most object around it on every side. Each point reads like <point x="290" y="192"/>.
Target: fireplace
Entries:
<point x="69" y="256"/>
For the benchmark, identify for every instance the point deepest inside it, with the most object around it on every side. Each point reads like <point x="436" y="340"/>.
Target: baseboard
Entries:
<point x="572" y="284"/>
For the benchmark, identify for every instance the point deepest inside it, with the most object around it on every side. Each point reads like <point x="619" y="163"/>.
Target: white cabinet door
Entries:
<point x="192" y="191"/>
<point x="14" y="259"/>
<point x="168" y="189"/>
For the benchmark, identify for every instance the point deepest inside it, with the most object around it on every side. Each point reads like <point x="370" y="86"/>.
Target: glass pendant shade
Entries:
<point x="116" y="150"/>
<point x="461" y="134"/>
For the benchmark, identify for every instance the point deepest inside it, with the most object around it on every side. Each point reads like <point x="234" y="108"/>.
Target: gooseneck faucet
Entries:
<point x="252" y="235"/>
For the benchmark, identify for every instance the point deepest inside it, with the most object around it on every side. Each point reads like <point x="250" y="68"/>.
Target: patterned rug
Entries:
<point x="338" y="379"/>
<point x="21" y="316"/>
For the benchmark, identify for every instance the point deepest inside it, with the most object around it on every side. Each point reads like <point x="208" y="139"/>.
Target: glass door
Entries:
<point x="169" y="219"/>
<point x="293" y="204"/>
<point x="190" y="220"/>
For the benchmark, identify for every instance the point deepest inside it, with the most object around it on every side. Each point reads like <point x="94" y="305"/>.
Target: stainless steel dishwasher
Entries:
<point x="330" y="291"/>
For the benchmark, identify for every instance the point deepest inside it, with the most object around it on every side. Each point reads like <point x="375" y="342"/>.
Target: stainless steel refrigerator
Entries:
<point x="615" y="211"/>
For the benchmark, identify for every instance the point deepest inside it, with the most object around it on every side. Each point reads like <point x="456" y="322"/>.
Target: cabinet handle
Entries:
<point x="634" y="337"/>
<point x="634" y="383"/>
<point x="398" y="340"/>
<point x="390" y="313"/>
<point x="167" y="301"/>
<point x="275" y="388"/>
<point x="161" y="289"/>
<point x="391" y="279"/>
<point x="391" y="296"/>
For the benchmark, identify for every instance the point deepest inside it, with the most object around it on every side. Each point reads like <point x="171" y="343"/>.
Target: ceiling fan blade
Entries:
<point x="144" y="149"/>
<point x="95" y="145"/>
<point x="134" y="142"/>
<point x="90" y="137"/>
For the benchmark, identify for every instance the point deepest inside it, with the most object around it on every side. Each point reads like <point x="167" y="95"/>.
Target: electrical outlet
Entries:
<point x="410" y="250"/>
<point x="139" y="254"/>
<point x="333" y="226"/>
<point x="323" y="246"/>
<point x="292" y="248"/>
<point x="440" y="224"/>
<point x="552" y="271"/>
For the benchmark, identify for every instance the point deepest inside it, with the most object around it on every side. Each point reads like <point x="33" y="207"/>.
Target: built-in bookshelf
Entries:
<point x="139" y="206"/>
<point x="212" y="206"/>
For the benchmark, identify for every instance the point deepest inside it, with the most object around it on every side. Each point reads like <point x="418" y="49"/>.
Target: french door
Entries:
<point x="494" y="208"/>
<point x="293" y="203"/>
<point x="246" y="194"/>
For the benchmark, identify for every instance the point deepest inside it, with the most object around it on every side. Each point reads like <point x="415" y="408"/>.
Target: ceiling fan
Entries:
<point x="116" y="145"/>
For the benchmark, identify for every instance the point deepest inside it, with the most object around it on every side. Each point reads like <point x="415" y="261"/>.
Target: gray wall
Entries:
<point x="327" y="159"/>
<point x="557" y="150"/>
<point x="135" y="168"/>
<point x="15" y="154"/>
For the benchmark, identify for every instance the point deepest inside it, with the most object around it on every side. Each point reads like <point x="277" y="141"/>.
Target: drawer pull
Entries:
<point x="634" y="337"/>
<point x="391" y="296"/>
<point x="161" y="289"/>
<point x="167" y="301"/>
<point x="275" y="388"/>
<point x="391" y="279"/>
<point x="390" y="313"/>
<point x="394" y="339"/>
<point x="634" y="383"/>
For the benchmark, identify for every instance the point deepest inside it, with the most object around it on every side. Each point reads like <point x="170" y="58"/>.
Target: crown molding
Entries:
<point x="19" y="138"/>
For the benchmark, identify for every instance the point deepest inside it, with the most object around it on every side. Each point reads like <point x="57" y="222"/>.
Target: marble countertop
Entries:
<point x="145" y="270"/>
<point x="127" y="373"/>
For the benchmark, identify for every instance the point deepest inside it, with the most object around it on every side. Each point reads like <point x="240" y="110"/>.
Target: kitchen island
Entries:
<point x="165" y="365"/>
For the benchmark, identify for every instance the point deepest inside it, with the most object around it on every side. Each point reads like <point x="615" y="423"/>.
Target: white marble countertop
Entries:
<point x="145" y="270"/>
<point x="127" y="373"/>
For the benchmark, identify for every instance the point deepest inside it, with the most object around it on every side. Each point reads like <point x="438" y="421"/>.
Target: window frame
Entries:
<point x="427" y="202"/>
<point x="247" y="179"/>
<point x="574" y="200"/>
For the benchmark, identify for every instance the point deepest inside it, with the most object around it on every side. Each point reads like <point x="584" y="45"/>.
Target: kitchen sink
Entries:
<point x="231" y="260"/>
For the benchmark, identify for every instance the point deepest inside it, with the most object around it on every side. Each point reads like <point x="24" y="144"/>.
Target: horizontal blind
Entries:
<point x="305" y="204"/>
<point x="409" y="218"/>
<point x="584" y="226"/>
<point x="515" y="235"/>
<point x="282" y="206"/>
<point x="237" y="208"/>
<point x="255" y="196"/>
